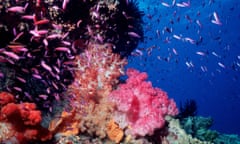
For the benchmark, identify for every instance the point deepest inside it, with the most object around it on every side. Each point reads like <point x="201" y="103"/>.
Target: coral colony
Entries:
<point x="60" y="68"/>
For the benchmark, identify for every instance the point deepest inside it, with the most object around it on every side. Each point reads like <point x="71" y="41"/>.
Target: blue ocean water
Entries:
<point x="191" y="56"/>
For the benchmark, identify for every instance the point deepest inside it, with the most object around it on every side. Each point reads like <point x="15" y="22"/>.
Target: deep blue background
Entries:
<point x="217" y="90"/>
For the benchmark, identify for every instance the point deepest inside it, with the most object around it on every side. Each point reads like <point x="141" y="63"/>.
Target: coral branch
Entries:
<point x="98" y="70"/>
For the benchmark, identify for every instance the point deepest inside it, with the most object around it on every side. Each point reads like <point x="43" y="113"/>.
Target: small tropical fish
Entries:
<point x="11" y="54"/>
<point x="200" y="53"/>
<point x="216" y="19"/>
<point x="221" y="65"/>
<point x="165" y="4"/>
<point x="133" y="34"/>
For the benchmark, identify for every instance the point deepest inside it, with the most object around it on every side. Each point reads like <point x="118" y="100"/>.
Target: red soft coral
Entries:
<point x="143" y="106"/>
<point x="24" y="112"/>
<point x="6" y="98"/>
<point x="24" y="120"/>
<point x="29" y="115"/>
<point x="10" y="112"/>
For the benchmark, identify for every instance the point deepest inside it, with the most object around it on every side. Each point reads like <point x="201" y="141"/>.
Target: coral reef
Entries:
<point x="96" y="73"/>
<point x="40" y="39"/>
<point x="63" y="59"/>
<point x="83" y="139"/>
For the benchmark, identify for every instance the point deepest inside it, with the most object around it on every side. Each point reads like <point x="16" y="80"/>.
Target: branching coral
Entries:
<point x="97" y="72"/>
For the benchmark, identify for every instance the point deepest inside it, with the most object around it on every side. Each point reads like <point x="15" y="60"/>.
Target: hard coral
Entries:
<point x="177" y="135"/>
<point x="141" y="106"/>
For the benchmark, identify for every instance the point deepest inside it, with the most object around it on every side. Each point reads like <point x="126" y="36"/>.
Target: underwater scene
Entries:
<point x="119" y="72"/>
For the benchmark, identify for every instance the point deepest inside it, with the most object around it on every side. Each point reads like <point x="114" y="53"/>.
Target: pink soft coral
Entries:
<point x="141" y="106"/>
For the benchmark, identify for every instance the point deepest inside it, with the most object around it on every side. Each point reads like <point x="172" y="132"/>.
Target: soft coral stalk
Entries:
<point x="142" y="107"/>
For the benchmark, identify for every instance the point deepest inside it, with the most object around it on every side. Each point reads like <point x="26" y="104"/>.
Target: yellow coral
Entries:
<point x="54" y="124"/>
<point x="71" y="130"/>
<point x="66" y="125"/>
<point x="114" y="132"/>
